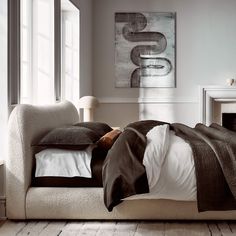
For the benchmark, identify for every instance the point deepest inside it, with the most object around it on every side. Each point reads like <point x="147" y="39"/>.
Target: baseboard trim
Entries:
<point x="119" y="100"/>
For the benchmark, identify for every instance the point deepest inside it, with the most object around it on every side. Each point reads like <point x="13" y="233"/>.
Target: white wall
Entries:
<point x="3" y="94"/>
<point x="206" y="55"/>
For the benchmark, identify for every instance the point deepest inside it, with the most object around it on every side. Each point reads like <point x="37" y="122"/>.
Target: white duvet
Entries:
<point x="169" y="164"/>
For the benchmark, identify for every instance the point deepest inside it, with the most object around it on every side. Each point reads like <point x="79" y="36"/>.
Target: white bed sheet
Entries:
<point x="169" y="164"/>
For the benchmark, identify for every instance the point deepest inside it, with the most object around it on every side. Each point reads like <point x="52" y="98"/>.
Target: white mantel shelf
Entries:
<point x="210" y="94"/>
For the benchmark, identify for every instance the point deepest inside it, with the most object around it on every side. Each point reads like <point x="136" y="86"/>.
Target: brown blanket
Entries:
<point x="214" y="150"/>
<point x="123" y="172"/>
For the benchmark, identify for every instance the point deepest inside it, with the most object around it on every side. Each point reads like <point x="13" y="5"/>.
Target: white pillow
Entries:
<point x="64" y="163"/>
<point x="155" y="152"/>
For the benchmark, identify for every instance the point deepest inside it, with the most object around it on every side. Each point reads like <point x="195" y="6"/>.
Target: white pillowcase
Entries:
<point x="64" y="163"/>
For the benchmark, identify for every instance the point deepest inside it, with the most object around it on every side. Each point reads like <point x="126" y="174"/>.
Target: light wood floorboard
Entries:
<point x="117" y="228"/>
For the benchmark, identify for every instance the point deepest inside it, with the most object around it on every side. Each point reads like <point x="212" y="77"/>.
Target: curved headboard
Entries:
<point x="27" y="124"/>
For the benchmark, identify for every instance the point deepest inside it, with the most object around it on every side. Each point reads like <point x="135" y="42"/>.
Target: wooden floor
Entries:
<point x="110" y="228"/>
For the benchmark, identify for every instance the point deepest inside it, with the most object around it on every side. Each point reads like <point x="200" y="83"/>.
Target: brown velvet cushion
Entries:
<point x="71" y="137"/>
<point x="98" y="127"/>
<point x="107" y="140"/>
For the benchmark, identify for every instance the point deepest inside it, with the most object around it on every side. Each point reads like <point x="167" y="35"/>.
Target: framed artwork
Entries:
<point x="145" y="49"/>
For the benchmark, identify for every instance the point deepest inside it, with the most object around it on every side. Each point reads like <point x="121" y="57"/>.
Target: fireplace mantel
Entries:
<point x="210" y="94"/>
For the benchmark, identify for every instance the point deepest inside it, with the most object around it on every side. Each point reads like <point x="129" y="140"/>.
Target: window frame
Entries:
<point x="75" y="49"/>
<point x="14" y="52"/>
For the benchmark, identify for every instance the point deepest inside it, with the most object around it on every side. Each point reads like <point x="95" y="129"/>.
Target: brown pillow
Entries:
<point x="98" y="127"/>
<point x="107" y="140"/>
<point x="70" y="137"/>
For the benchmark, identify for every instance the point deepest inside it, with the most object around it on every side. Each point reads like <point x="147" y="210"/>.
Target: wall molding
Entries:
<point x="168" y="100"/>
<point x="150" y="100"/>
<point x="118" y="100"/>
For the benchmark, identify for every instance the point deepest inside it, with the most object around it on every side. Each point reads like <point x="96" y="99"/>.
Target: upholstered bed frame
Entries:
<point x="28" y="124"/>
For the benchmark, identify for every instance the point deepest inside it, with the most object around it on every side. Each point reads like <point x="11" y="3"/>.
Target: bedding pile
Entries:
<point x="148" y="160"/>
<point x="169" y="165"/>
<point x="213" y="151"/>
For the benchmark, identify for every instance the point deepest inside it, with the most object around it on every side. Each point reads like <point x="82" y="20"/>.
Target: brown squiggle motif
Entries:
<point x="136" y="22"/>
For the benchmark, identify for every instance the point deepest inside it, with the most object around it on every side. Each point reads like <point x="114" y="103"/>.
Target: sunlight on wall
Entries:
<point x="162" y="112"/>
<point x="159" y="111"/>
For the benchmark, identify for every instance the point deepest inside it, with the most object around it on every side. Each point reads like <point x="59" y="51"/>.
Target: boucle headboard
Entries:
<point x="27" y="124"/>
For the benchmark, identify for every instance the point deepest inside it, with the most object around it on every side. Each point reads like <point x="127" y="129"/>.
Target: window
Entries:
<point x="43" y="55"/>
<point x="26" y="84"/>
<point x="37" y="52"/>
<point x="49" y="52"/>
<point x="70" y="52"/>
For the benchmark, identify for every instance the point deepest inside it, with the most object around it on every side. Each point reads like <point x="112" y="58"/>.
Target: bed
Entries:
<point x="27" y="124"/>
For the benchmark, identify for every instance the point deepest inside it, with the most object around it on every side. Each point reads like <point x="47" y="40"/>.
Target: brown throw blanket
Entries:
<point x="214" y="151"/>
<point x="123" y="172"/>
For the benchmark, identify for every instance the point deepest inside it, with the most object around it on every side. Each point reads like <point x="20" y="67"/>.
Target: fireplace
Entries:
<point x="229" y="121"/>
<point x="216" y="100"/>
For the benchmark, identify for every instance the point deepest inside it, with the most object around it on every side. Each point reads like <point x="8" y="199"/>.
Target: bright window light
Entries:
<point x="37" y="52"/>
<point x="70" y="53"/>
<point x="26" y="52"/>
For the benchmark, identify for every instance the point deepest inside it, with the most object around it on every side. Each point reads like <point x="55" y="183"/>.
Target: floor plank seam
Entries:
<point x="44" y="227"/>
<point x="230" y="228"/>
<point x="218" y="227"/>
<point x="97" y="230"/>
<point x="211" y="234"/>
<point x="164" y="233"/>
<point x="115" y="230"/>
<point x="136" y="228"/>
<point x="59" y="232"/>
<point x="17" y="233"/>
